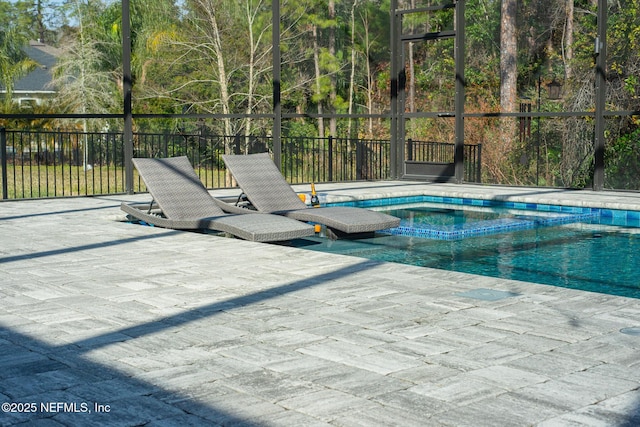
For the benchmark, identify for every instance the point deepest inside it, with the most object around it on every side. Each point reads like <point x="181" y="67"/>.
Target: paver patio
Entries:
<point x="109" y="323"/>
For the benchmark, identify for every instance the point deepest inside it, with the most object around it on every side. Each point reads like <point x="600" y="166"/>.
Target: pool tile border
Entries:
<point x="387" y="201"/>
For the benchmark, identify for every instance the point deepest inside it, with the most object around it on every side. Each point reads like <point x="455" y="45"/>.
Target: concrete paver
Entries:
<point x="108" y="323"/>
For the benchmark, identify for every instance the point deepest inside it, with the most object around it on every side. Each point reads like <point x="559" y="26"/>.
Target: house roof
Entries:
<point x="37" y="81"/>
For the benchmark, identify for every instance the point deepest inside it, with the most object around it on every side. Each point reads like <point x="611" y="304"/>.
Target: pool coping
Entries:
<point x="603" y="212"/>
<point x="609" y="199"/>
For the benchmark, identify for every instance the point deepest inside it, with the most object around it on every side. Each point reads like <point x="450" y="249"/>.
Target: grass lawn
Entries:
<point x="33" y="180"/>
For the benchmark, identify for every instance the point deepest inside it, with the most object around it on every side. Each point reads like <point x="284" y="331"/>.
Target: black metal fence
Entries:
<point x="58" y="164"/>
<point x="443" y="152"/>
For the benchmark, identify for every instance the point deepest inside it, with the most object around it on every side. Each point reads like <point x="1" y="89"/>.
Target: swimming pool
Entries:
<point x="580" y="248"/>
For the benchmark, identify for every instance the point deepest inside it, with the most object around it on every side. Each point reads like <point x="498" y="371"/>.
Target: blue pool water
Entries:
<point x="579" y="248"/>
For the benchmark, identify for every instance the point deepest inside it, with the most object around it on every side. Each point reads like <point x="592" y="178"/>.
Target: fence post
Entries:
<point x="359" y="160"/>
<point x="409" y="149"/>
<point x="479" y="163"/>
<point x="237" y="147"/>
<point x="330" y="158"/>
<point x="127" y="88"/>
<point x="3" y="160"/>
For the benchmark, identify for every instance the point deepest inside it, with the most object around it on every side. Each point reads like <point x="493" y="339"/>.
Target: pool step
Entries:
<point x="483" y="228"/>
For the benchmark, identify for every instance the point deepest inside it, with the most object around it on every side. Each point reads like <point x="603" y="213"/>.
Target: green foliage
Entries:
<point x="299" y="128"/>
<point x="183" y="63"/>
<point x="13" y="62"/>
<point x="622" y="158"/>
<point x="624" y="51"/>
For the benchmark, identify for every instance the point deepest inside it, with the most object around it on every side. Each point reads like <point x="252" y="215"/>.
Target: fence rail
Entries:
<point x="37" y="164"/>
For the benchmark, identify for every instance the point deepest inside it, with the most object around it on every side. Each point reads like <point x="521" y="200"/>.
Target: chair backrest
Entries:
<point x="176" y="188"/>
<point x="263" y="183"/>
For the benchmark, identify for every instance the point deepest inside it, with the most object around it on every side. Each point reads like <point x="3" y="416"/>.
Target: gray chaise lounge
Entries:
<point x="269" y="192"/>
<point x="183" y="203"/>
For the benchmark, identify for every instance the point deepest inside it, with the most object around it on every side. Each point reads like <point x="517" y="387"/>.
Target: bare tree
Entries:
<point x="370" y="77"/>
<point x="82" y="83"/>
<point x="259" y="57"/>
<point x="508" y="74"/>
<point x="508" y="56"/>
<point x="318" y="75"/>
<point x="352" y="74"/>
<point x="333" y="94"/>
<point x="567" y="51"/>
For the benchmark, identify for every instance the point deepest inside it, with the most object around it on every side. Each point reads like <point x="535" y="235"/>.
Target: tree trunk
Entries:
<point x="508" y="57"/>
<point x="412" y="69"/>
<point x="353" y="65"/>
<point x="316" y="63"/>
<point x="370" y="78"/>
<point x="224" y="87"/>
<point x="333" y="94"/>
<point x="253" y="48"/>
<point x="568" y="41"/>
<point x="508" y="77"/>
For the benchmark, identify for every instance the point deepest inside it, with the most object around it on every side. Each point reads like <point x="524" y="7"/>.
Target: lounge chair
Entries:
<point x="180" y="201"/>
<point x="269" y="192"/>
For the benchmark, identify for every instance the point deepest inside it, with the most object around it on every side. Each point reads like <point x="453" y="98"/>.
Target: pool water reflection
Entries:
<point x="580" y="254"/>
